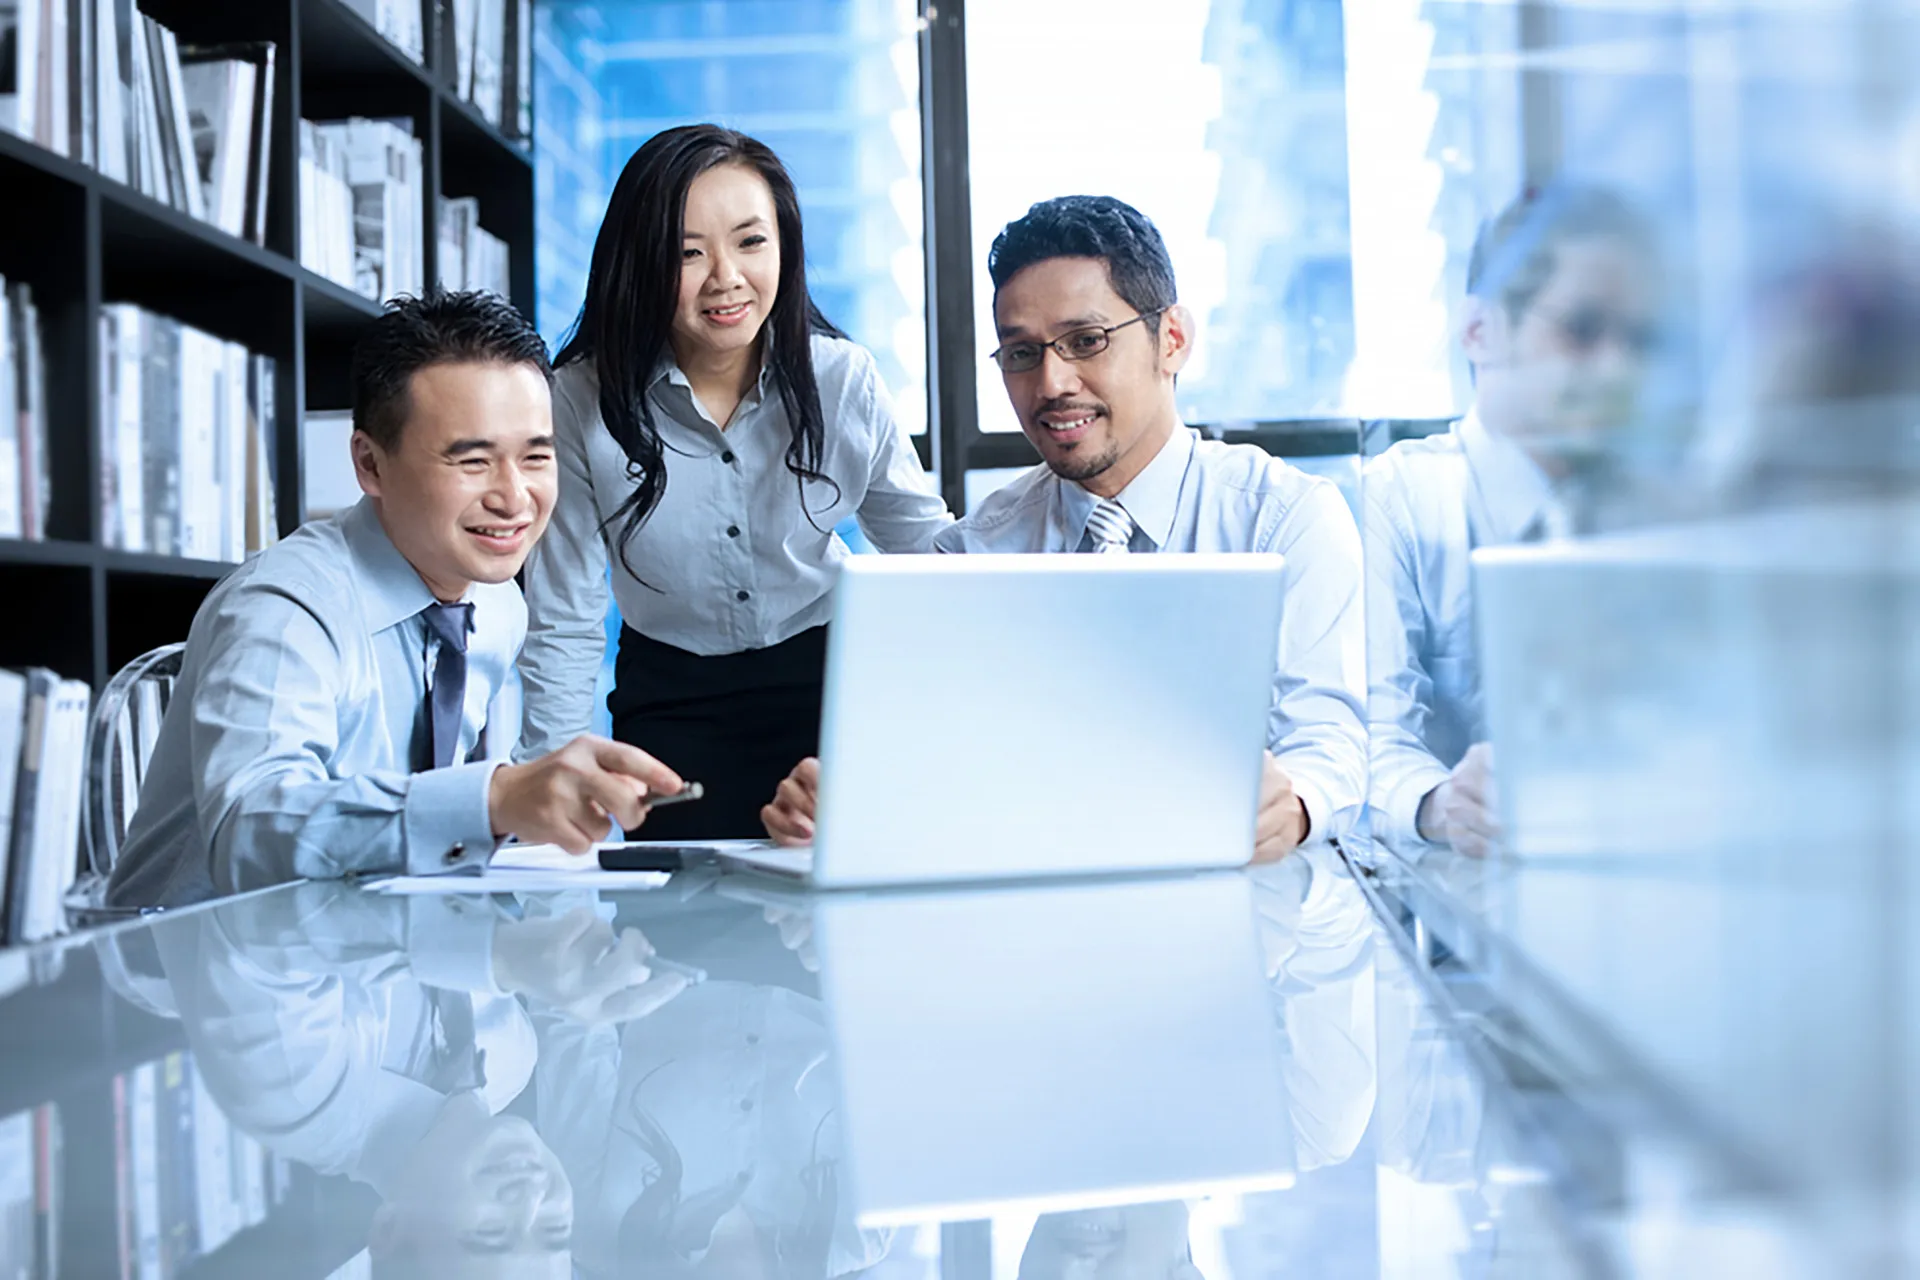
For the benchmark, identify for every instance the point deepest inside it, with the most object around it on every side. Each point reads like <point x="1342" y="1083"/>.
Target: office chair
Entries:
<point x="126" y="717"/>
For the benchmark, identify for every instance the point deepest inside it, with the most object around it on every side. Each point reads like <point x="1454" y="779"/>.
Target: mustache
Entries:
<point x="1061" y="405"/>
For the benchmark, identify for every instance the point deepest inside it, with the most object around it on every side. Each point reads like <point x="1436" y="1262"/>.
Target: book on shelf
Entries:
<point x="493" y="61"/>
<point x="398" y="21"/>
<point x="45" y="56"/>
<point x="229" y="97"/>
<point x="31" y="1176"/>
<point x="186" y="443"/>
<point x="361" y="205"/>
<point x="470" y="256"/>
<point x="25" y="477"/>
<point x="44" y="848"/>
<point x="327" y="482"/>
<point x="101" y="83"/>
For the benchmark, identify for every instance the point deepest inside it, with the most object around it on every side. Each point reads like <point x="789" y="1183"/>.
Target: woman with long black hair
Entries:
<point x="712" y="429"/>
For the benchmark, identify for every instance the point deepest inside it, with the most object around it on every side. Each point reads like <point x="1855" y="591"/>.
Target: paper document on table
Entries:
<point x="526" y="868"/>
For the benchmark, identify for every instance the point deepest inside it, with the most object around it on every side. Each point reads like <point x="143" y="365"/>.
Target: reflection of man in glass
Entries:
<point x="1558" y="323"/>
<point x="381" y="1038"/>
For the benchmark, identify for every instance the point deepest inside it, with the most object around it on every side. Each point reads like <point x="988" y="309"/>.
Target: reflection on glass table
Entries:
<point x="1217" y="1076"/>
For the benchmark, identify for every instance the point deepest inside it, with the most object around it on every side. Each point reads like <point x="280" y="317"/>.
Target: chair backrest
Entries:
<point x="120" y="738"/>
<point x="126" y="720"/>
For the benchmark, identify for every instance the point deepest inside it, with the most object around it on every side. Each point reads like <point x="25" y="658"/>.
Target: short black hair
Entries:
<point x="441" y="328"/>
<point x="1090" y="227"/>
<point x="1513" y="254"/>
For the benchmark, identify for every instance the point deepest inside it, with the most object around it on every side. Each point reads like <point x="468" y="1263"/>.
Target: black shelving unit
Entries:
<point x="82" y="240"/>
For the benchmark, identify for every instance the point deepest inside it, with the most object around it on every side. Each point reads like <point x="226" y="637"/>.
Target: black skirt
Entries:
<point x="736" y="723"/>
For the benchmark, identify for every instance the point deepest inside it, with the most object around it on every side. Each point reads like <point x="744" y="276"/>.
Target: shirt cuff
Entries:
<point x="447" y="819"/>
<point x="1401" y="814"/>
<point x="450" y="942"/>
<point x="1314" y="800"/>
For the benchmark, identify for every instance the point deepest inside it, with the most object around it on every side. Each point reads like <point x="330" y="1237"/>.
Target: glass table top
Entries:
<point x="1220" y="1076"/>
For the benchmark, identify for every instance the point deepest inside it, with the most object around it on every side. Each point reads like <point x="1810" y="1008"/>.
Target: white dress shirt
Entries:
<point x="288" y="747"/>
<point x="1204" y="496"/>
<point x="730" y="559"/>
<point x="1429" y="503"/>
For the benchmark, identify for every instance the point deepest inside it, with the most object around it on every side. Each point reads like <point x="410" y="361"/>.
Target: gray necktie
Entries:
<point x="1110" y="527"/>
<point x="446" y="704"/>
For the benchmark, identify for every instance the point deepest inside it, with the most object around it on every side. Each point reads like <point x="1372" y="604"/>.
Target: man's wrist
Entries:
<point x="496" y="799"/>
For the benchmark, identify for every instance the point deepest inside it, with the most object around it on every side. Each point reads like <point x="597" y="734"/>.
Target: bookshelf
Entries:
<point x="82" y="240"/>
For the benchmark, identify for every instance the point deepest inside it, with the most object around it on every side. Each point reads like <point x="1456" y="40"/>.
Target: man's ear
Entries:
<point x="368" y="459"/>
<point x="1176" y="338"/>
<point x="1485" y="332"/>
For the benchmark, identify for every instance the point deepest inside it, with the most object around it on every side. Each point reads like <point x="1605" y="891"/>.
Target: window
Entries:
<point x="831" y="85"/>
<point x="1225" y="123"/>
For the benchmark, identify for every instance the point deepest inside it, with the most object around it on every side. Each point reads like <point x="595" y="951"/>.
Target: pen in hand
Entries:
<point x="692" y="791"/>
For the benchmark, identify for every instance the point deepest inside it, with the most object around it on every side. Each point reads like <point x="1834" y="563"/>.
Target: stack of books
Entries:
<point x="360" y="205"/>
<point x="186" y="439"/>
<point x="470" y="256"/>
<point x="179" y="1179"/>
<point x="99" y="82"/>
<point x="25" y="481"/>
<point x="493" y="61"/>
<point x="398" y="21"/>
<point x="188" y="1181"/>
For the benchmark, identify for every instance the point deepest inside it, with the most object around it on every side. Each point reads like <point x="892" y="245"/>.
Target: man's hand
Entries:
<point x="567" y="797"/>
<point x="1282" y="824"/>
<point x="575" y="964"/>
<point x="1462" y="811"/>
<point x="789" y="819"/>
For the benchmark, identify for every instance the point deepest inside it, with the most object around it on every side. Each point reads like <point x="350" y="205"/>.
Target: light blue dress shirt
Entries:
<point x="1429" y="503"/>
<point x="1205" y="496"/>
<point x="731" y="560"/>
<point x="306" y="1011"/>
<point x="286" y="751"/>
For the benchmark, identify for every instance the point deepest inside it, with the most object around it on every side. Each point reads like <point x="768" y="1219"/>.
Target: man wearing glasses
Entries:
<point x="1091" y="337"/>
<point x="1558" y="324"/>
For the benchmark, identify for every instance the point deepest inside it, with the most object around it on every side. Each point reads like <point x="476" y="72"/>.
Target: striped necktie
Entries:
<point x="1110" y="527"/>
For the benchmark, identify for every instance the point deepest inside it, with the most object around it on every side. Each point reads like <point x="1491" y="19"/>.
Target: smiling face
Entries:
<point x="1099" y="421"/>
<point x="482" y="1196"/>
<point x="730" y="265"/>
<point x="467" y="489"/>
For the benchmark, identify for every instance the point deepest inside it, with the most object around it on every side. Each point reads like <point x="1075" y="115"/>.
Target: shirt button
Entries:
<point x="753" y="1038"/>
<point x="740" y="595"/>
<point x="727" y="456"/>
<point x="746" y="1104"/>
<point x="453" y="854"/>
<point x="733" y="531"/>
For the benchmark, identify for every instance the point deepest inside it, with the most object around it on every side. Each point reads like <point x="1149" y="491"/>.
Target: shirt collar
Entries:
<point x="1151" y="498"/>
<point x="668" y="369"/>
<point x="1512" y="485"/>
<point x="389" y="585"/>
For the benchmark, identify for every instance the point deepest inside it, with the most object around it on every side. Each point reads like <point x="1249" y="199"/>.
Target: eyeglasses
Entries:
<point x="1587" y="327"/>
<point x="1075" y="344"/>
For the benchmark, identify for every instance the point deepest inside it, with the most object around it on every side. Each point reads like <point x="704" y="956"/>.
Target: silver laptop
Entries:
<point x="1045" y="1048"/>
<point x="1005" y="716"/>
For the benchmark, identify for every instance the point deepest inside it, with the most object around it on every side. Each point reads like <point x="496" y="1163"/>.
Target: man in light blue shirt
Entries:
<point x="347" y="700"/>
<point x="1558" y="323"/>
<point x="1091" y="340"/>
